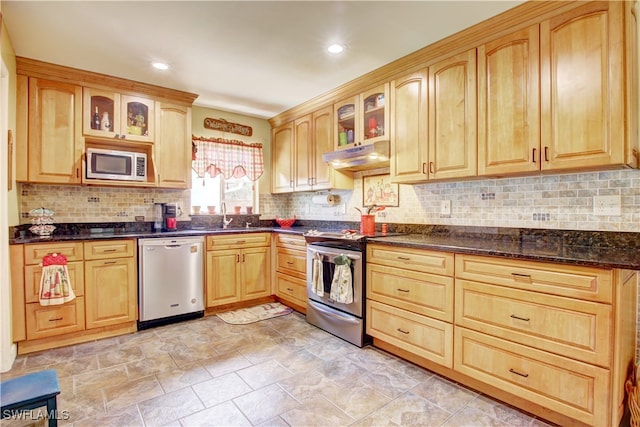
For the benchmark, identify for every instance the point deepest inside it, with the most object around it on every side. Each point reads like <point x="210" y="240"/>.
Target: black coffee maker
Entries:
<point x="169" y="215"/>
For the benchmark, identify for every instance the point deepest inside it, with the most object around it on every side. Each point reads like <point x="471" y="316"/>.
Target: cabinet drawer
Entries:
<point x="566" y="280"/>
<point x="573" y="388"/>
<point x="292" y="262"/>
<point x="573" y="328"/>
<point x="33" y="275"/>
<point x="52" y="320"/>
<point x="421" y="335"/>
<point x="420" y="293"/>
<point x="411" y="259"/>
<point x="241" y="240"/>
<point x="106" y="249"/>
<point x="290" y="241"/>
<point x="33" y="253"/>
<point x="288" y="287"/>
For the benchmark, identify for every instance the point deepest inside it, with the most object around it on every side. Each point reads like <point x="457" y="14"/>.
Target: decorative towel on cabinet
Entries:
<point x="55" y="287"/>
<point x="317" y="278"/>
<point x="342" y="283"/>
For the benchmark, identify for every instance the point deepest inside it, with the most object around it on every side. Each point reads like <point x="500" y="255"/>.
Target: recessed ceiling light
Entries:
<point x="160" y="65"/>
<point x="335" y="48"/>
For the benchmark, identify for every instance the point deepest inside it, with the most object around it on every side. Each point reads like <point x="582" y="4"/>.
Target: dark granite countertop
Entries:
<point x="598" y="249"/>
<point x="137" y="234"/>
<point x="596" y="256"/>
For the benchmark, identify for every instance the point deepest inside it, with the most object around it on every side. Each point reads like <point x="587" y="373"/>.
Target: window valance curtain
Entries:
<point x="227" y="157"/>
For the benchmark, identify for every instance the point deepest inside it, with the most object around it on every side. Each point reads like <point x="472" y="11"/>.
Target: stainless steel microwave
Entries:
<point x="116" y="165"/>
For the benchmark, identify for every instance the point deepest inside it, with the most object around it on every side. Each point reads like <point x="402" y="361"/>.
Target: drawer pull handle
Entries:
<point x="402" y="331"/>
<point x="109" y="250"/>
<point x="403" y="290"/>
<point x="239" y="242"/>
<point x="56" y="319"/>
<point x="290" y="262"/>
<point x="524" y="319"/>
<point x="521" y="276"/>
<point x="290" y="289"/>
<point x="513" y="371"/>
<point x="404" y="258"/>
<point x="109" y="262"/>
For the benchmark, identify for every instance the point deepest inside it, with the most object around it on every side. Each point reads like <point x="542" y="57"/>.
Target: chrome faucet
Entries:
<point x="225" y="221"/>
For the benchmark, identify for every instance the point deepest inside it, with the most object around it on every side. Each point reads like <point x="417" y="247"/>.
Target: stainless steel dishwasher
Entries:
<point x="170" y="280"/>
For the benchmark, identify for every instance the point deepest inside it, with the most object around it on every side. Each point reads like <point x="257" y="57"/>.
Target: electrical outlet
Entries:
<point x="445" y="207"/>
<point x="607" y="205"/>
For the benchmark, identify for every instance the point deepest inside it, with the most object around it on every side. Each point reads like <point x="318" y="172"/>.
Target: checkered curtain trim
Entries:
<point x="227" y="157"/>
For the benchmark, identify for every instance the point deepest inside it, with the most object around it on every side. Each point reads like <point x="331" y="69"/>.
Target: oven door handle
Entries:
<point x="324" y="310"/>
<point x="334" y="254"/>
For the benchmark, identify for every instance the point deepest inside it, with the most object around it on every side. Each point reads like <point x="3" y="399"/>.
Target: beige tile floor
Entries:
<point x="278" y="372"/>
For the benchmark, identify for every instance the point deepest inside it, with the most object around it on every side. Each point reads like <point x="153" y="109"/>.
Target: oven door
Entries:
<point x="327" y="255"/>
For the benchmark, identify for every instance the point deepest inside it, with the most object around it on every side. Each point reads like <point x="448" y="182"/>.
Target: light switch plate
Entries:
<point x="607" y="205"/>
<point x="445" y="207"/>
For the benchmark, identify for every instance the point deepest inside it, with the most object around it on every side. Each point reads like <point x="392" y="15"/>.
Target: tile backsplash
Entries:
<point x="98" y="204"/>
<point x="562" y="201"/>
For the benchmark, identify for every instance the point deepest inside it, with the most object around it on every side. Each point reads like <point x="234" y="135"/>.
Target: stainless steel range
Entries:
<point x="331" y="256"/>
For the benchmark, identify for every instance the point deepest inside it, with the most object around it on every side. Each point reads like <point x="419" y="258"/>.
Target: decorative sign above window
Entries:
<point x="225" y="126"/>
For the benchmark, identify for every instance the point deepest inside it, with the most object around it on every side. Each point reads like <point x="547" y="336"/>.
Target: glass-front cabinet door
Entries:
<point x="112" y="115"/>
<point x="137" y="118"/>
<point x="347" y="129"/>
<point x="100" y="112"/>
<point x="375" y="115"/>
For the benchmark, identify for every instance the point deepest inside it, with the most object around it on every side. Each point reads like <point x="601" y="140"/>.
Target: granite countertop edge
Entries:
<point x="610" y="257"/>
<point x="603" y="257"/>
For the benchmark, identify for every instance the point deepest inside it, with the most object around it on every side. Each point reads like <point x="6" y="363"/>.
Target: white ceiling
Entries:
<point x="258" y="58"/>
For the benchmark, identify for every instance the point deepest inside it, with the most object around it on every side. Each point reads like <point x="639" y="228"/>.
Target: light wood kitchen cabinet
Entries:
<point x="120" y="116"/>
<point x="434" y="124"/>
<point x="111" y="282"/>
<point x="103" y="275"/>
<point x="55" y="142"/>
<point x="582" y="65"/>
<point x="551" y="338"/>
<point x="509" y="104"/>
<point x="409" y="149"/>
<point x="238" y="268"/>
<point x="291" y="264"/>
<point x="410" y="300"/>
<point x="539" y="329"/>
<point x="305" y="141"/>
<point x="559" y="383"/>
<point x="54" y="114"/>
<point x="303" y="153"/>
<point x="173" y="146"/>
<point x="53" y="320"/>
<point x="452" y="129"/>
<point x="282" y="168"/>
<point x="362" y="119"/>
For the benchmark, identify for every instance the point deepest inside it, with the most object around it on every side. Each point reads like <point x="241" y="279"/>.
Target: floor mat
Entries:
<point x="244" y="316"/>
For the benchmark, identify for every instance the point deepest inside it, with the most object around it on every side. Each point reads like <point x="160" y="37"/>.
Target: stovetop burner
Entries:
<point x="344" y="236"/>
<point x="349" y="234"/>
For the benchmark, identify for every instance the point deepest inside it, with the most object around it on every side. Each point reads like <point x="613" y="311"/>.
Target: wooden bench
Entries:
<point x="31" y="391"/>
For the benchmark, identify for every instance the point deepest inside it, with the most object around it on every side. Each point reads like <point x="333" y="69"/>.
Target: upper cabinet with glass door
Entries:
<point x="375" y="115"/>
<point x="109" y="114"/>
<point x="362" y="119"/>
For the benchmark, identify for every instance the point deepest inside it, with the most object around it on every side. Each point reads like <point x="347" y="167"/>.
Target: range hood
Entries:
<point x="362" y="157"/>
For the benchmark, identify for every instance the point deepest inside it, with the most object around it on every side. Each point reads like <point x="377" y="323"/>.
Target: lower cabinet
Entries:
<point x="291" y="261"/>
<point x="238" y="268"/>
<point x="103" y="275"/>
<point x="553" y="339"/>
<point x="52" y="320"/>
<point x="410" y="300"/>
